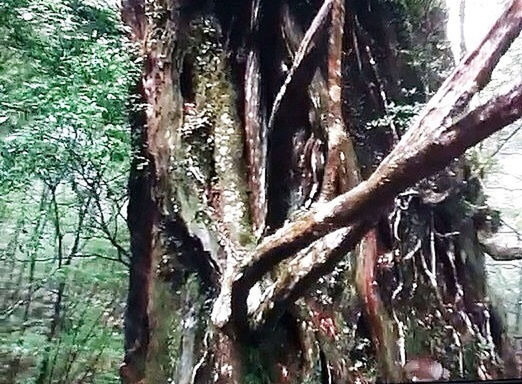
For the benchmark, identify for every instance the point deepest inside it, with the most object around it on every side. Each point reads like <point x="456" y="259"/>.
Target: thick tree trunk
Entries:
<point x="248" y="130"/>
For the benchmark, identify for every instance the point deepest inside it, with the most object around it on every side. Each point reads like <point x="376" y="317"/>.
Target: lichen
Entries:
<point x="210" y="160"/>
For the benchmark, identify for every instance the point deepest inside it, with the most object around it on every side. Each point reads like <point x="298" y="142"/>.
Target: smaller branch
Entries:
<point x="505" y="141"/>
<point x="501" y="252"/>
<point x="57" y="226"/>
<point x="78" y="255"/>
<point x="306" y="270"/>
<point x="14" y="107"/>
<point x="304" y="48"/>
<point x="105" y="229"/>
<point x="100" y="256"/>
<point x="512" y="228"/>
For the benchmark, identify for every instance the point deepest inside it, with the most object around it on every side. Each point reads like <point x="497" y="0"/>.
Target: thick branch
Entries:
<point x="486" y="119"/>
<point x="367" y="198"/>
<point x="430" y="144"/>
<point x="306" y="269"/>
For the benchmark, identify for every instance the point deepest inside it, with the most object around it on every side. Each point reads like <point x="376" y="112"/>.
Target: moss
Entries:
<point x="210" y="157"/>
<point x="170" y="307"/>
<point x="254" y="367"/>
<point x="166" y="330"/>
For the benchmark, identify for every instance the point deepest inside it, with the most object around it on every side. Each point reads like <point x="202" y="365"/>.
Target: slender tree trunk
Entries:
<point x="462" y="23"/>
<point x="63" y="260"/>
<point x="518" y="319"/>
<point x="32" y="251"/>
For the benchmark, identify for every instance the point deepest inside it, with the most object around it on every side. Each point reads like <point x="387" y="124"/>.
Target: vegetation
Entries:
<point x="65" y="74"/>
<point x="234" y="192"/>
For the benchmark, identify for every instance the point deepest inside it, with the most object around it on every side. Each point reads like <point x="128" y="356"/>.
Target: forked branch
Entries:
<point x="434" y="140"/>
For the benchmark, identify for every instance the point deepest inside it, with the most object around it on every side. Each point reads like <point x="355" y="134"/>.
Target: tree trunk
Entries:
<point x="246" y="197"/>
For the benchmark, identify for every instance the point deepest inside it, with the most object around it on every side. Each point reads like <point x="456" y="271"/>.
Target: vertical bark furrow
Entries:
<point x="155" y="25"/>
<point x="255" y="126"/>
<point x="142" y="213"/>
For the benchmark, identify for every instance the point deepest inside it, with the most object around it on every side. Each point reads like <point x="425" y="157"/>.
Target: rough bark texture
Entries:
<point x="246" y="197"/>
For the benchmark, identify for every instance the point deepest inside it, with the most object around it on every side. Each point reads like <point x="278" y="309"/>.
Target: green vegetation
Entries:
<point x="65" y="73"/>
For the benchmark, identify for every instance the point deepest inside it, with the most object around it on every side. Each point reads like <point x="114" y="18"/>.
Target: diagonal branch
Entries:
<point x="501" y="252"/>
<point x="367" y="199"/>
<point x="306" y="269"/>
<point x="431" y="143"/>
<point x="304" y="48"/>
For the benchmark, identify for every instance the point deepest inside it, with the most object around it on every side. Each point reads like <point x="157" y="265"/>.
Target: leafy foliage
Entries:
<point x="65" y="75"/>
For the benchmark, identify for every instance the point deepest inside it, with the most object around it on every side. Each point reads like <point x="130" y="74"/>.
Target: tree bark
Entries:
<point x="210" y="75"/>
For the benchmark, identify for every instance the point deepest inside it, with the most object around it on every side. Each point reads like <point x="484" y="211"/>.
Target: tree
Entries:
<point x="253" y="180"/>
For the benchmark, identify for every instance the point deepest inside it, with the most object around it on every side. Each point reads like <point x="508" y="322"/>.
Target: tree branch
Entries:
<point x="501" y="252"/>
<point x="367" y="199"/>
<point x="304" y="48"/>
<point x="431" y="143"/>
<point x="305" y="270"/>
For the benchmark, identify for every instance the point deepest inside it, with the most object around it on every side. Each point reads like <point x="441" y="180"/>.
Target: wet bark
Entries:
<point x="149" y="193"/>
